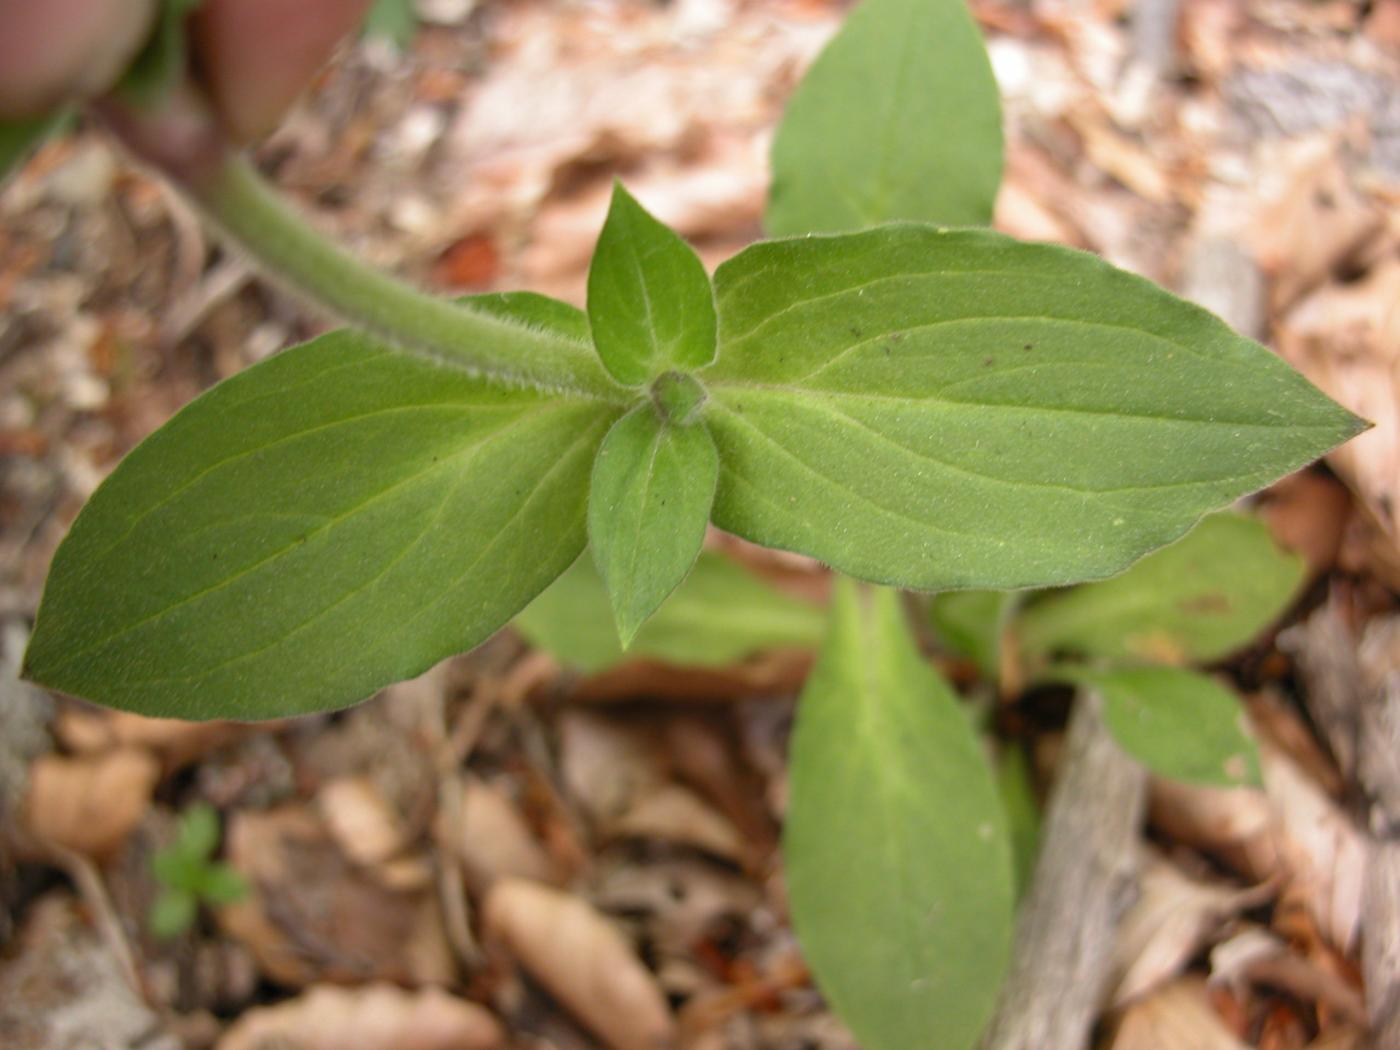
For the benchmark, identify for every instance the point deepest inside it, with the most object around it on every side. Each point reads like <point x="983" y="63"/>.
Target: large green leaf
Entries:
<point x="897" y="119"/>
<point x="951" y="408"/>
<point x="898" y="861"/>
<point x="1196" y="601"/>
<point x="331" y="520"/>
<point x="648" y="506"/>
<point x="650" y="303"/>
<point x="1179" y="724"/>
<point x="718" y="616"/>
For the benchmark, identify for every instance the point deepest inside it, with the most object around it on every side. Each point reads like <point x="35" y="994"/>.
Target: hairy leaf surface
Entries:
<point x="897" y="119"/>
<point x="898" y="860"/>
<point x="650" y="303"/>
<point x="648" y="507"/>
<point x="951" y="408"/>
<point x="334" y="519"/>
<point x="720" y="615"/>
<point x="1196" y="601"/>
<point x="1179" y="724"/>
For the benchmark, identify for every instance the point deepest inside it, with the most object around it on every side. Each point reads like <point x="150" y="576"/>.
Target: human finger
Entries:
<point x="52" y="51"/>
<point x="256" y="56"/>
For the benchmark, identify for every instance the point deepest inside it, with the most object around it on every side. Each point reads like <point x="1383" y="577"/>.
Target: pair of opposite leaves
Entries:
<point x="913" y="405"/>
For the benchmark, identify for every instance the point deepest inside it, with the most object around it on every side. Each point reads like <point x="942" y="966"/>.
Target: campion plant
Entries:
<point x="886" y="386"/>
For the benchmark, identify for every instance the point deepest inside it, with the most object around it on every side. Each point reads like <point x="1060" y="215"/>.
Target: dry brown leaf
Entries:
<point x="1340" y="1038"/>
<point x="1172" y="918"/>
<point x="1254" y="956"/>
<point x="1293" y="831"/>
<point x="63" y="989"/>
<point x="1235" y="825"/>
<point x="1312" y="218"/>
<point x="1346" y="339"/>
<point x="607" y="763"/>
<point x="1308" y="512"/>
<point x="481" y="825"/>
<point x="685" y="899"/>
<point x="672" y="813"/>
<point x="704" y="753"/>
<point x="313" y="916"/>
<point x="1121" y="158"/>
<point x="1020" y="214"/>
<point x="88" y="729"/>
<point x="1322" y="849"/>
<point x="363" y="823"/>
<point x="374" y="1017"/>
<point x="584" y="962"/>
<point x="1179" y="1017"/>
<point x="91" y="804"/>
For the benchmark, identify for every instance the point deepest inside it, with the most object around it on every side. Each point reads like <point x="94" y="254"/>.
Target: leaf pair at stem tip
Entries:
<point x="651" y="310"/>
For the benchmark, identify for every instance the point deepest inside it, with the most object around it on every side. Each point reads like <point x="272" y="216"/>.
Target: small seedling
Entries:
<point x="189" y="876"/>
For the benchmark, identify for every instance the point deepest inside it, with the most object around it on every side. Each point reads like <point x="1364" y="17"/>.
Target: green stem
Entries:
<point x="237" y="199"/>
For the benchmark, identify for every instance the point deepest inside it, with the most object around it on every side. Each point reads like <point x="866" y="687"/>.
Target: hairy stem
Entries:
<point x="237" y="200"/>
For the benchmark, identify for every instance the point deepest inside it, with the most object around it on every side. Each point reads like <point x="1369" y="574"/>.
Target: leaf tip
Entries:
<point x="627" y="627"/>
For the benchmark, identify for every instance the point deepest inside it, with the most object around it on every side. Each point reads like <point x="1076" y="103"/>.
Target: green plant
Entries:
<point x="1134" y="637"/>
<point x="917" y="405"/>
<point x="188" y="875"/>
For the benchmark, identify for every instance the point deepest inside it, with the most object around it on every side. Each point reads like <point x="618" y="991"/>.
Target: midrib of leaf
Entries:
<point x="880" y="212"/>
<point x="646" y="303"/>
<point x="884" y="774"/>
<point x="819" y="402"/>
<point x="811" y="395"/>
<point x="636" y="543"/>
<point x="1046" y="485"/>
<point x="452" y="459"/>
<point x="406" y="624"/>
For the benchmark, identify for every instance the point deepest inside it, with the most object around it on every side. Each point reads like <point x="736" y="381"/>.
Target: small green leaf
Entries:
<point x="720" y="615"/>
<point x="1194" y="602"/>
<point x="952" y="409"/>
<point x="1179" y="724"/>
<point x="158" y="68"/>
<point x="897" y="119"/>
<point x="221" y="884"/>
<point x="198" y="835"/>
<point x="18" y="139"/>
<point x="176" y="869"/>
<point x="648" y="505"/>
<point x="898" y="862"/>
<point x="334" y="519"/>
<point x="971" y="624"/>
<point x="172" y="914"/>
<point x="650" y="303"/>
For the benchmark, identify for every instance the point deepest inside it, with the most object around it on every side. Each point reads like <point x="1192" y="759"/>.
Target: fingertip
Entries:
<point x="52" y="51"/>
<point x="257" y="56"/>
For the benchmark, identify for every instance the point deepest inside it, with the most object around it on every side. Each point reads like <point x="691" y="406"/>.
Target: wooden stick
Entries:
<point x="1354" y="696"/>
<point x="1084" y="882"/>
